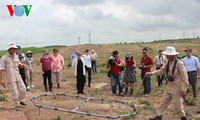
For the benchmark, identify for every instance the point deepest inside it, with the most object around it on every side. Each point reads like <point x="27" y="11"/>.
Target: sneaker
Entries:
<point x="28" y="87"/>
<point x="121" y="94"/>
<point x="32" y="86"/>
<point x="146" y="95"/>
<point x="156" y="118"/>
<point x="22" y="103"/>
<point x="114" y="94"/>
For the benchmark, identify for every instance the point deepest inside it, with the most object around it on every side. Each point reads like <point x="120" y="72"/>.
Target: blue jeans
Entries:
<point x="115" y="80"/>
<point x="146" y="84"/>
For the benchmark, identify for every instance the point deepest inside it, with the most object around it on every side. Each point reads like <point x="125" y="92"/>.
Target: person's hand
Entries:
<point x="148" y="73"/>
<point x="3" y="84"/>
<point x="184" y="93"/>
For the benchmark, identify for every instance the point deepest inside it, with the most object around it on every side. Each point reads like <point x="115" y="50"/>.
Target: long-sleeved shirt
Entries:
<point x="180" y="83"/>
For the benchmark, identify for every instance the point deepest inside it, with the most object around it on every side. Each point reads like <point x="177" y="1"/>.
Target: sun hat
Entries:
<point x="29" y="52"/>
<point x="129" y="53"/>
<point x="11" y="45"/>
<point x="92" y="50"/>
<point x="45" y="52"/>
<point x="170" y="51"/>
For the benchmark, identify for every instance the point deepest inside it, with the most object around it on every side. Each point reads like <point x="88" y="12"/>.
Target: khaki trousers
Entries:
<point x="14" y="88"/>
<point x="56" y="77"/>
<point x="166" y="100"/>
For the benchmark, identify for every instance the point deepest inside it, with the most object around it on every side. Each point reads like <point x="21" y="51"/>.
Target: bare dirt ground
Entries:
<point x="100" y="88"/>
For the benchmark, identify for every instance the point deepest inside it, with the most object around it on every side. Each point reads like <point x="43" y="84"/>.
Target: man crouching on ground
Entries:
<point x="9" y="69"/>
<point x="177" y="84"/>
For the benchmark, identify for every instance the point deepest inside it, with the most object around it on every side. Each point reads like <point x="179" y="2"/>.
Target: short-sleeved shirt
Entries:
<point x="57" y="63"/>
<point x="191" y="63"/>
<point x="160" y="59"/>
<point x="29" y="62"/>
<point x="46" y="63"/>
<point x="10" y="65"/>
<point x="116" y="69"/>
<point x="94" y="56"/>
<point x="146" y="61"/>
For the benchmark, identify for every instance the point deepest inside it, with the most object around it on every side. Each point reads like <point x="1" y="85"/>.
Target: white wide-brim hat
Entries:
<point x="12" y="45"/>
<point x="170" y="51"/>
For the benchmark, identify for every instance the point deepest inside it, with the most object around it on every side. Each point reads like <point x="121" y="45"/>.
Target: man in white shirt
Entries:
<point x="192" y="66"/>
<point x="159" y="61"/>
<point x="94" y="64"/>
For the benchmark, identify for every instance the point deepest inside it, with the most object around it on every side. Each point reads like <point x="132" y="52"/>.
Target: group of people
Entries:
<point x="16" y="71"/>
<point x="179" y="73"/>
<point x="83" y="63"/>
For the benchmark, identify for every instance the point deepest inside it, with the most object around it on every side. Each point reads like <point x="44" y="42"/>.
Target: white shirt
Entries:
<point x="87" y="60"/>
<point x="94" y="56"/>
<point x="160" y="60"/>
<point x="191" y="63"/>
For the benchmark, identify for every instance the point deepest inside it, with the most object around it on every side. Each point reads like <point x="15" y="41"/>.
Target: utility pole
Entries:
<point x="26" y="43"/>
<point x="194" y="34"/>
<point x="79" y="40"/>
<point x="89" y="36"/>
<point x="184" y="34"/>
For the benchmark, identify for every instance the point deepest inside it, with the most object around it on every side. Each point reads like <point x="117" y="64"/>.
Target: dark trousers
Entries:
<point x="80" y="83"/>
<point x="23" y="75"/>
<point x="146" y="83"/>
<point x="47" y="75"/>
<point x="160" y="78"/>
<point x="94" y="66"/>
<point x="88" y="70"/>
<point x="192" y="77"/>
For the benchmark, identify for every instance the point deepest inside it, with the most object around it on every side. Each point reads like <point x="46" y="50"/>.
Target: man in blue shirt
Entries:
<point x="74" y="55"/>
<point x="192" y="66"/>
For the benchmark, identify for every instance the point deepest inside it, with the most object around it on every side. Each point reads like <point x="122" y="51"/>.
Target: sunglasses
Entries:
<point x="144" y="52"/>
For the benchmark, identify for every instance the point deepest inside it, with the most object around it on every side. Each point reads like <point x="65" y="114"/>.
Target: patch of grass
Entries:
<point x="103" y="71"/>
<point x="147" y="104"/>
<point x="189" y="100"/>
<point x="2" y="98"/>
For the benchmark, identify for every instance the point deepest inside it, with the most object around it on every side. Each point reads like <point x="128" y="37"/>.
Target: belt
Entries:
<point x="191" y="71"/>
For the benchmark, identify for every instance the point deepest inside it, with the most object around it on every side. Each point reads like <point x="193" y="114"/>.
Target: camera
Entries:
<point x="171" y="78"/>
<point x="111" y="62"/>
<point x="141" y="66"/>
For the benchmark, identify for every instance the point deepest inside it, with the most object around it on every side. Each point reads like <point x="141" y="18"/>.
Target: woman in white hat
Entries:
<point x="29" y="72"/>
<point x="177" y="84"/>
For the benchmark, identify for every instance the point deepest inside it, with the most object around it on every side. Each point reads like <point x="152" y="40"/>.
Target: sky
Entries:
<point x="70" y="22"/>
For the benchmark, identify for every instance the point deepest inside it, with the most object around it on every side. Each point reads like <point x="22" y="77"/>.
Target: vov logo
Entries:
<point x="19" y="10"/>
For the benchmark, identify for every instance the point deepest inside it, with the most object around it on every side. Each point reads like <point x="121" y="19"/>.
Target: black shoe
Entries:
<point x="78" y="92"/>
<point x="156" y="118"/>
<point x="83" y="93"/>
<point x="50" y="90"/>
<point x="58" y="86"/>
<point x="89" y="85"/>
<point x="183" y="118"/>
<point x="22" y="103"/>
